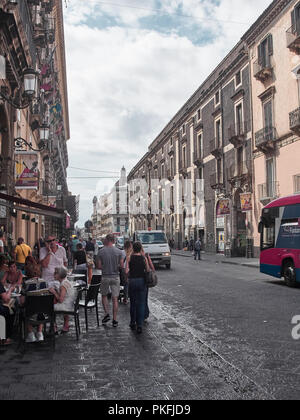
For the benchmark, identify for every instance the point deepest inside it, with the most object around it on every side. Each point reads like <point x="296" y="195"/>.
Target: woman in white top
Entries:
<point x="66" y="296"/>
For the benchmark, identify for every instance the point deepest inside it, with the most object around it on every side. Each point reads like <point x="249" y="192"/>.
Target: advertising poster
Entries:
<point x="246" y="202"/>
<point x="223" y="208"/>
<point x="26" y="171"/>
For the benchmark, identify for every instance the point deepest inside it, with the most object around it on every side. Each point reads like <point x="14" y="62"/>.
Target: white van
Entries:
<point x="155" y="244"/>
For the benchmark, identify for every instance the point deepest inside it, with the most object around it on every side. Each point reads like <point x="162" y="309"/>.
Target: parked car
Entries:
<point x="156" y="244"/>
<point x="120" y="242"/>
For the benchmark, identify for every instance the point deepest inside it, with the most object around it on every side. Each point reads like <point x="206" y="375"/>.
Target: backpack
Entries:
<point x="198" y="246"/>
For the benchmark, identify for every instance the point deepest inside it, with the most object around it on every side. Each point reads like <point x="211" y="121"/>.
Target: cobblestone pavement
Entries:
<point x="168" y="362"/>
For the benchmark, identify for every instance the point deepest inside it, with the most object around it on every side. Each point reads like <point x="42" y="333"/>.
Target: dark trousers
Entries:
<point x="4" y="311"/>
<point x="137" y="294"/>
<point x="198" y="254"/>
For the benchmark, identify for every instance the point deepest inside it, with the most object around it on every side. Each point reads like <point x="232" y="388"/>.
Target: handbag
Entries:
<point x="123" y="277"/>
<point x="151" y="279"/>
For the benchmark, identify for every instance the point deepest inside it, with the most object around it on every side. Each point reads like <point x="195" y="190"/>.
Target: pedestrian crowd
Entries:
<point x="44" y="270"/>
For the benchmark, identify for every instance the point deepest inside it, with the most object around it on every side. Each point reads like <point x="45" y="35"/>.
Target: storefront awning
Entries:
<point x="27" y="206"/>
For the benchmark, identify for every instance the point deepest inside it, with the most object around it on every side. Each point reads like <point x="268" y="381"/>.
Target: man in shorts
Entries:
<point x="110" y="260"/>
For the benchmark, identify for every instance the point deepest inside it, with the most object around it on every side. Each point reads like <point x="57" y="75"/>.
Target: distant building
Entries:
<point x="112" y="213"/>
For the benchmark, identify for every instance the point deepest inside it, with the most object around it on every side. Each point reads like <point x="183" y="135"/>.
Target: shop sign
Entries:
<point x="220" y="222"/>
<point x="26" y="171"/>
<point x="246" y="202"/>
<point x="223" y="208"/>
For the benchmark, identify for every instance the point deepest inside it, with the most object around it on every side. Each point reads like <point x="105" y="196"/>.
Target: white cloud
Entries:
<point x="126" y="82"/>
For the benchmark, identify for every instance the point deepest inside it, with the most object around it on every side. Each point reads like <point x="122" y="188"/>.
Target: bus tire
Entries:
<point x="289" y="274"/>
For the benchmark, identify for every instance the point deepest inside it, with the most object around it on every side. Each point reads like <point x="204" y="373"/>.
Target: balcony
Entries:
<point x="170" y="174"/>
<point x="198" y="159"/>
<point x="293" y="38"/>
<point x="27" y="25"/>
<point x="199" y="125"/>
<point x="265" y="139"/>
<point x="216" y="148"/>
<point x="237" y="134"/>
<point x="295" y="121"/>
<point x="239" y="174"/>
<point x="216" y="181"/>
<point x="263" y="70"/>
<point x="183" y="168"/>
<point x="268" y="192"/>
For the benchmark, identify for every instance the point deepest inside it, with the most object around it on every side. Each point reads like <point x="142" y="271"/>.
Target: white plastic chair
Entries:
<point x="2" y="328"/>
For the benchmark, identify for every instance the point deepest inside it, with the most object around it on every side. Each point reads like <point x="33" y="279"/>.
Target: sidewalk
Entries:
<point x="218" y="258"/>
<point x="166" y="362"/>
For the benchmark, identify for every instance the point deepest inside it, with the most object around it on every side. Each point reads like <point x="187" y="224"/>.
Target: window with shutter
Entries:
<point x="297" y="183"/>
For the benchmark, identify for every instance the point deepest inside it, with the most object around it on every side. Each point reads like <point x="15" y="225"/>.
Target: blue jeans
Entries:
<point x="198" y="254"/>
<point x="137" y="294"/>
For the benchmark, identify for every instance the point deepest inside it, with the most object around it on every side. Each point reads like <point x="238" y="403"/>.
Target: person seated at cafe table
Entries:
<point x="65" y="297"/>
<point x="33" y="274"/>
<point x="3" y="267"/>
<point x="5" y="298"/>
<point x="13" y="275"/>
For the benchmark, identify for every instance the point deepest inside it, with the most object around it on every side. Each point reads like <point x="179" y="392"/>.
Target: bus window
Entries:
<point x="268" y="237"/>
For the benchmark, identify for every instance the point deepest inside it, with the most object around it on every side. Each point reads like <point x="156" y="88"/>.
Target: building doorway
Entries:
<point x="240" y="241"/>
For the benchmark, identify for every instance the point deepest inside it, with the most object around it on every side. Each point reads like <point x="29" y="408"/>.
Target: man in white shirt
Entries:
<point x="51" y="257"/>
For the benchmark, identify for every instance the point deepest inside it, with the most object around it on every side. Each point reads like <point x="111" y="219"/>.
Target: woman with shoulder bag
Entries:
<point x="151" y="269"/>
<point x="136" y="267"/>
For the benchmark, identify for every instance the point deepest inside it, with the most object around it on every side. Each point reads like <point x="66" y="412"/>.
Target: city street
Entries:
<point x="217" y="331"/>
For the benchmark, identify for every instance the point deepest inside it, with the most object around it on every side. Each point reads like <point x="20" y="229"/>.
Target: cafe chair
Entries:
<point x="74" y="313"/>
<point x="90" y="302"/>
<point x="2" y="328"/>
<point x="35" y="305"/>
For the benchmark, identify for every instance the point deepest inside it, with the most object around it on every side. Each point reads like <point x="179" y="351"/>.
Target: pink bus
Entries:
<point x="280" y="239"/>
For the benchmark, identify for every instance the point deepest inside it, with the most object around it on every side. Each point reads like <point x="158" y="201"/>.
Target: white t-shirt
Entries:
<point x="56" y="260"/>
<point x="1" y="243"/>
<point x="68" y="303"/>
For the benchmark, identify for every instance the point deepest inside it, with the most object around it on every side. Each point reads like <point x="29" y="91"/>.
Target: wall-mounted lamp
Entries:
<point x="30" y="85"/>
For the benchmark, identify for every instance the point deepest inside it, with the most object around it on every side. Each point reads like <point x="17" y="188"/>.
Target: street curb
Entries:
<point x="222" y="262"/>
<point x="240" y="264"/>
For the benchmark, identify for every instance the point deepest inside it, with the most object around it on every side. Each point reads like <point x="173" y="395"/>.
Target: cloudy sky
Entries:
<point x="131" y="65"/>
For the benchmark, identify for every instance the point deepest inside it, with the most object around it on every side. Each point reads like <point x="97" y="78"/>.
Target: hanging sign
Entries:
<point x="223" y="208"/>
<point x="246" y="202"/>
<point x="26" y="171"/>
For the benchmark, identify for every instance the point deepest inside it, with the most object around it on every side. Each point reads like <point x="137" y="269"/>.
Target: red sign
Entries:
<point x="246" y="202"/>
<point x="223" y="208"/>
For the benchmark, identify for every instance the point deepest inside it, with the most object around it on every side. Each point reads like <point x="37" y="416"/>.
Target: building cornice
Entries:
<point x="264" y="21"/>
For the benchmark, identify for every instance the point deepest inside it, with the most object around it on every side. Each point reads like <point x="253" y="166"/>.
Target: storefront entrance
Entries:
<point x="240" y="240"/>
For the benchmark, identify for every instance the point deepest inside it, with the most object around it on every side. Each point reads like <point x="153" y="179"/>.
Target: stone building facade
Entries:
<point x="219" y="144"/>
<point x="32" y="37"/>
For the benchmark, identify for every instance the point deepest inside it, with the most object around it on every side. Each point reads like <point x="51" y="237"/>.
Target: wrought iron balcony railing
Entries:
<point x="268" y="192"/>
<point x="263" y="69"/>
<point x="28" y="28"/>
<point x="265" y="138"/>
<point x="295" y="121"/>
<point x="293" y="38"/>
<point x="237" y="133"/>
<point x="216" y="147"/>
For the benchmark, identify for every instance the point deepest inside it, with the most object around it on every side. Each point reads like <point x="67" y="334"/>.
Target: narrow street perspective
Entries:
<point x="149" y="202"/>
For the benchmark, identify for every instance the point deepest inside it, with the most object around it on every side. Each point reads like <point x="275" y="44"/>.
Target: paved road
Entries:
<point x="242" y="315"/>
<point x="216" y="332"/>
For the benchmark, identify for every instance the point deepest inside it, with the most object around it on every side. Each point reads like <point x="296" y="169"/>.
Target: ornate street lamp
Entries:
<point x="44" y="138"/>
<point x="44" y="133"/>
<point x="30" y="86"/>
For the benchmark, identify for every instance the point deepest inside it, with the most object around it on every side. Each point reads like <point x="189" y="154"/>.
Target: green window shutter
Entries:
<point x="270" y="45"/>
